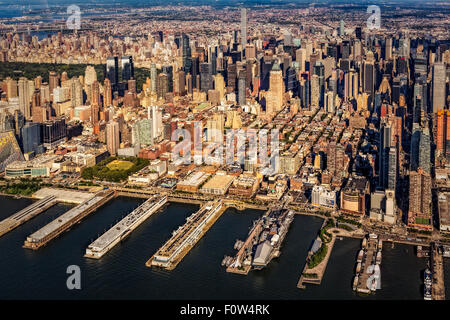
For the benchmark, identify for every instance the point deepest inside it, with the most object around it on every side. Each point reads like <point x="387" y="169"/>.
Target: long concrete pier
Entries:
<point x="124" y="227"/>
<point x="71" y="217"/>
<point x="437" y="269"/>
<point x="26" y="214"/>
<point x="185" y="237"/>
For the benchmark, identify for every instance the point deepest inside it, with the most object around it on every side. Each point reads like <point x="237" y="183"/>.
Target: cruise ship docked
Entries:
<point x="124" y="227"/>
<point x="186" y="236"/>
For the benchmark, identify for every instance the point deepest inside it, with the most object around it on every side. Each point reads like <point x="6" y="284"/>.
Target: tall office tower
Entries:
<point x="53" y="132"/>
<point x="315" y="91"/>
<point x="276" y="88"/>
<point x="38" y="82"/>
<point x="76" y="92"/>
<point x="95" y="115"/>
<point x="291" y="82"/>
<point x="250" y="51"/>
<point x="387" y="162"/>
<point x="313" y="58"/>
<point x="179" y="83"/>
<point x="358" y="33"/>
<point x="168" y="69"/>
<point x="95" y="94"/>
<point x="305" y="94"/>
<point x="425" y="150"/>
<point x="163" y="85"/>
<point x="107" y="93"/>
<point x="443" y="131"/>
<point x="126" y="63"/>
<point x="36" y="99"/>
<point x="45" y="93"/>
<point x="351" y="85"/>
<point x="419" y="212"/>
<point x="243" y="27"/>
<point x="90" y="75"/>
<point x="266" y="64"/>
<point x="404" y="47"/>
<point x="31" y="138"/>
<point x="392" y="169"/>
<point x="112" y="137"/>
<point x="231" y="75"/>
<point x="345" y="49"/>
<point x="341" y="28"/>
<point x="357" y="49"/>
<point x="369" y="76"/>
<point x="157" y="124"/>
<point x="189" y="83"/>
<point x="388" y="49"/>
<point x="335" y="158"/>
<point x="53" y="80"/>
<point x="219" y="85"/>
<point x="319" y="70"/>
<point x="24" y="97"/>
<point x="153" y="78"/>
<point x="420" y="66"/>
<point x="300" y="57"/>
<point x="112" y="70"/>
<point x="439" y="96"/>
<point x="329" y="102"/>
<point x="186" y="53"/>
<point x="241" y="88"/>
<point x="205" y="77"/>
<point x="215" y="127"/>
<point x="11" y="88"/>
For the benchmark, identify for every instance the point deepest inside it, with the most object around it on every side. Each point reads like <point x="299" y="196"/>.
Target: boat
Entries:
<point x="355" y="282"/>
<point x="378" y="260"/>
<point x="427" y="277"/>
<point x="360" y="255"/>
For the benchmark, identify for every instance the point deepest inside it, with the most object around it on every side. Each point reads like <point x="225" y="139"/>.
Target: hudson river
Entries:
<point x="121" y="274"/>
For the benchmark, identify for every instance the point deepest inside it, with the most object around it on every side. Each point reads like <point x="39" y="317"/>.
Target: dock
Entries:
<point x="315" y="275"/>
<point x="68" y="219"/>
<point x="124" y="227"/>
<point x="437" y="269"/>
<point x="263" y="242"/>
<point x="185" y="237"/>
<point x="367" y="276"/>
<point x="26" y="214"/>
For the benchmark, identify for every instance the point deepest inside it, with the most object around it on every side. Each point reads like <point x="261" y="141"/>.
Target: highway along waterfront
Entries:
<point x="122" y="274"/>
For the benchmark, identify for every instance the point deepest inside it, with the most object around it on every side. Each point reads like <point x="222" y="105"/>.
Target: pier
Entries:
<point x="68" y="219"/>
<point x="263" y="242"/>
<point x="367" y="278"/>
<point x="124" y="227"/>
<point x="26" y="214"/>
<point x="185" y="237"/>
<point x="437" y="269"/>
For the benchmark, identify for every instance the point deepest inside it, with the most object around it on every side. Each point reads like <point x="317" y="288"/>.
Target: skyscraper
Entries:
<point x="186" y="51"/>
<point x="112" y="137"/>
<point x="24" y="97"/>
<point x="243" y="27"/>
<point x="127" y="66"/>
<point x="438" y="96"/>
<point x="112" y="70"/>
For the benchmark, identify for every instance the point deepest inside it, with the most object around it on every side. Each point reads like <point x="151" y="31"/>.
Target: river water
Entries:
<point x="122" y="274"/>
